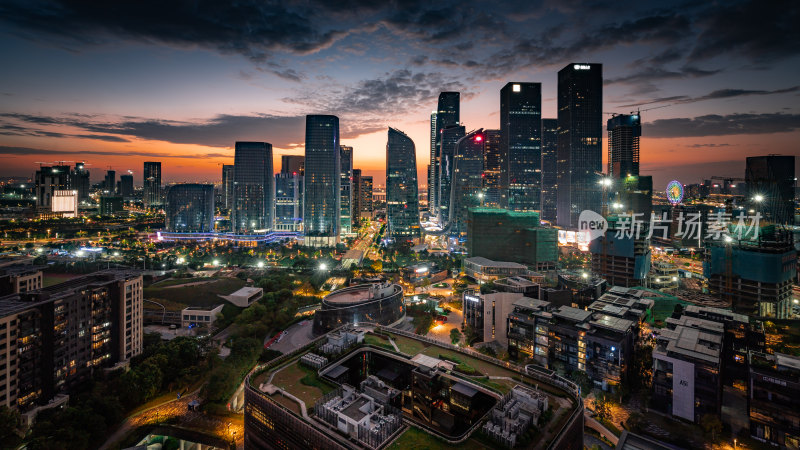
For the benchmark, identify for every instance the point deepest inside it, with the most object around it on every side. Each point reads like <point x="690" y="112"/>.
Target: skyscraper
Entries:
<point x="346" y="189"/>
<point x="402" y="199"/>
<point x="624" y="132"/>
<point x="292" y="164"/>
<point x="448" y="113"/>
<point x="549" y="168"/>
<point x="110" y="182"/>
<point x="521" y="154"/>
<point x="253" y="188"/>
<point x="48" y="180"/>
<point x="227" y="186"/>
<point x="491" y="168"/>
<point x="289" y="194"/>
<point x="770" y="182"/>
<point x="467" y="184"/>
<point x="449" y="137"/>
<point x="580" y="141"/>
<point x="322" y="203"/>
<point x="190" y="208"/>
<point x="432" y="166"/>
<point x="366" y="197"/>
<point x="125" y="189"/>
<point x="79" y="180"/>
<point x="151" y="194"/>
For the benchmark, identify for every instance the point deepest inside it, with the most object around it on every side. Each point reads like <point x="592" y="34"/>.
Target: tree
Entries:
<point x="455" y="336"/>
<point x="602" y="405"/>
<point x="711" y="425"/>
<point x="9" y="418"/>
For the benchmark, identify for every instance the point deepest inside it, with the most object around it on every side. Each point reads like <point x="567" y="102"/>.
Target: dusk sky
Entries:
<point x="116" y="83"/>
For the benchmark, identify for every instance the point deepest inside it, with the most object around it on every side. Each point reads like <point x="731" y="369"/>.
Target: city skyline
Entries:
<point x="109" y="91"/>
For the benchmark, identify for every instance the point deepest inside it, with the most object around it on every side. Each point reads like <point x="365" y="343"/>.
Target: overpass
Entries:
<point x="274" y="236"/>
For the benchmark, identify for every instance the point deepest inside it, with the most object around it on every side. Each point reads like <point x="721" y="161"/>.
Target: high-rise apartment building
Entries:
<point x="151" y="194"/>
<point x="125" y="187"/>
<point x="549" y="168"/>
<point x="432" y="165"/>
<point x="449" y="137"/>
<point x="402" y="199"/>
<point x="253" y="187"/>
<point x="227" y="186"/>
<point x="521" y="152"/>
<point x="48" y="180"/>
<point x="624" y="133"/>
<point x="346" y="190"/>
<point x="580" y="141"/>
<point x="79" y="181"/>
<point x="493" y="193"/>
<point x="467" y="182"/>
<point x="448" y="113"/>
<point x="322" y="203"/>
<point x="770" y="182"/>
<point x="190" y="208"/>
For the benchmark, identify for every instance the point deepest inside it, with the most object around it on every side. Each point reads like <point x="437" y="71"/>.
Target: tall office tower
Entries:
<point x="448" y="113"/>
<point x="770" y="182"/>
<point x="346" y="190"/>
<point x="47" y="181"/>
<point x="125" y="188"/>
<point x="549" y="167"/>
<point x="110" y="182"/>
<point x="402" y="196"/>
<point x="491" y="168"/>
<point x="253" y="188"/>
<point x="358" y="197"/>
<point x="322" y="202"/>
<point x="151" y="194"/>
<point x="521" y="153"/>
<point x="79" y="181"/>
<point x="367" y="207"/>
<point x="288" y="201"/>
<point x="580" y="141"/>
<point x="190" y="208"/>
<point x="292" y="164"/>
<point x="432" y="167"/>
<point x="227" y="186"/>
<point x="624" y="132"/>
<point x="449" y="137"/>
<point x="467" y="183"/>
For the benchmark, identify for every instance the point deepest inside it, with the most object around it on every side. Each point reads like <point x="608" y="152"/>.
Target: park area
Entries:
<point x="176" y="294"/>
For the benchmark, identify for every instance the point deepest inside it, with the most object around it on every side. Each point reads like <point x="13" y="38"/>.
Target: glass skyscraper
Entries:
<point x="549" y="168"/>
<point x="448" y="113"/>
<point x="322" y="203"/>
<point x="190" y="208"/>
<point x="770" y="182"/>
<point x="449" y="139"/>
<point x="253" y="188"/>
<point x="493" y="194"/>
<point x="624" y="132"/>
<point x="346" y="188"/>
<point x="227" y="186"/>
<point x="467" y="185"/>
<point x="432" y="166"/>
<point x="288" y="201"/>
<point x="151" y="194"/>
<point x="580" y="141"/>
<point x="521" y="154"/>
<point x="402" y="196"/>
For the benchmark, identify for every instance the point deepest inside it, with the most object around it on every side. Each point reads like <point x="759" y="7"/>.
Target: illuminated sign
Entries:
<point x="581" y="67"/>
<point x="421" y="270"/>
<point x="472" y="298"/>
<point x="516" y="88"/>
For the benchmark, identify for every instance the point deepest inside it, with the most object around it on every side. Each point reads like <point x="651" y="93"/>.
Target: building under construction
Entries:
<point x="755" y="276"/>
<point x="622" y="260"/>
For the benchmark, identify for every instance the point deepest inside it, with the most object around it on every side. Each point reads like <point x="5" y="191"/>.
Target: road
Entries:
<point x="442" y="332"/>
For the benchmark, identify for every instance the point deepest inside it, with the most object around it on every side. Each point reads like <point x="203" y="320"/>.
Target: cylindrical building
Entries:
<point x="375" y="303"/>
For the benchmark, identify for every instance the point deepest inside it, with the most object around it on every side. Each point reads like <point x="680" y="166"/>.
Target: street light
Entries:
<point x="260" y="264"/>
<point x="758" y="198"/>
<point x="323" y="266"/>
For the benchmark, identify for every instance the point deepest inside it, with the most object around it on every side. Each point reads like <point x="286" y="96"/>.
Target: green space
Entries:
<point x="378" y="342"/>
<point x="179" y="281"/>
<point x="414" y="438"/>
<point x="407" y="345"/>
<point x="49" y="279"/>
<point x="485" y="368"/>
<point x="206" y="294"/>
<point x="302" y="382"/>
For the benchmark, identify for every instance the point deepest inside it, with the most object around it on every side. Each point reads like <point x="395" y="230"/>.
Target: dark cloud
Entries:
<point x="715" y="95"/>
<point x="28" y="151"/>
<point x="708" y="145"/>
<point x="722" y="125"/>
<point x="650" y="74"/>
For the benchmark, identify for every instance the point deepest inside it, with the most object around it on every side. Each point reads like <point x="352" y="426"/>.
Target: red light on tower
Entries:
<point x="478" y="138"/>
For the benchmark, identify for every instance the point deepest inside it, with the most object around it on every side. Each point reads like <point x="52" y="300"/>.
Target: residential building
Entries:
<point x="487" y="314"/>
<point x="110" y="182"/>
<point x="686" y="369"/>
<point x="253" y="188"/>
<point x="432" y="166"/>
<point x="18" y="279"/>
<point x="549" y="169"/>
<point x="367" y="208"/>
<point x="484" y="270"/>
<point x="773" y="390"/>
<point x="466" y="187"/>
<point x="624" y="133"/>
<point x="346" y="190"/>
<point x="580" y="141"/>
<point x="528" y="330"/>
<point x="511" y="236"/>
<point x="151" y="194"/>
<point x="190" y="208"/>
<point x="770" y="182"/>
<point x="322" y="202"/>
<point x="521" y="151"/>
<point x="402" y="199"/>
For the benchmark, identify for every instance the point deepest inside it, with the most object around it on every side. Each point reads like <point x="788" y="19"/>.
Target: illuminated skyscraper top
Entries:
<point x="624" y="132"/>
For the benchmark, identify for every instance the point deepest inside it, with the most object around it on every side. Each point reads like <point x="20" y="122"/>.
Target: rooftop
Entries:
<point x="531" y="303"/>
<point x="573" y="314"/>
<point x="354" y="410"/>
<point x="612" y="323"/>
<point x="246" y="291"/>
<point x="481" y="261"/>
<point x="788" y="361"/>
<point x="694" y="342"/>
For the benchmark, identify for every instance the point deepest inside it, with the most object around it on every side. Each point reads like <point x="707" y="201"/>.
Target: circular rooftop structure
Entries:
<point x="380" y="303"/>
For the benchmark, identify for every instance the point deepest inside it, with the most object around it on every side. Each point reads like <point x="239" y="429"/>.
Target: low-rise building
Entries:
<point x="774" y="388"/>
<point x="245" y="296"/>
<point x="484" y="270"/>
<point x="488" y="314"/>
<point x="528" y="285"/>
<point x="686" y="368"/>
<point x="424" y="272"/>
<point x="194" y="316"/>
